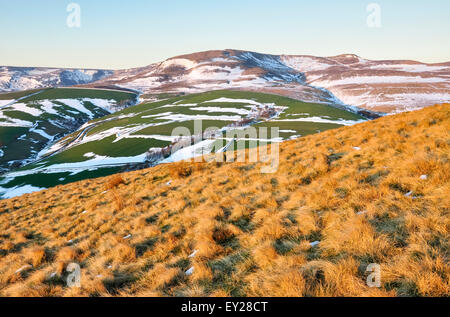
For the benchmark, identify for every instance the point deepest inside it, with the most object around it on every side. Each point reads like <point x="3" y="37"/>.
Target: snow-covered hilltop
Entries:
<point x="380" y="86"/>
<point x="25" y="78"/>
<point x="214" y="70"/>
<point x="386" y="86"/>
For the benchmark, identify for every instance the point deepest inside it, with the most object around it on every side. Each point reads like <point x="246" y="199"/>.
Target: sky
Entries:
<point x="115" y="34"/>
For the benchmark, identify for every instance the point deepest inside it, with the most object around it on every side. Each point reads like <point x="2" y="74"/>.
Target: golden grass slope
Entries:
<point x="245" y="233"/>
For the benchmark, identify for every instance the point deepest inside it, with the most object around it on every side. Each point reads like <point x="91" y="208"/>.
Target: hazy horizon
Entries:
<point x="188" y="53"/>
<point x="112" y="35"/>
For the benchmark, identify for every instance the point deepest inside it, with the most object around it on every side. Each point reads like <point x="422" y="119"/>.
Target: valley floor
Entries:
<point x="121" y="140"/>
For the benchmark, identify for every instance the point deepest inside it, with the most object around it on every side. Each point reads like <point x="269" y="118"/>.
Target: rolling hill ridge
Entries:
<point x="385" y="86"/>
<point x="377" y="86"/>
<point x="26" y="78"/>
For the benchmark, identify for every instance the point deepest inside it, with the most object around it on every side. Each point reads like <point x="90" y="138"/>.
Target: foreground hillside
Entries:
<point x="376" y="192"/>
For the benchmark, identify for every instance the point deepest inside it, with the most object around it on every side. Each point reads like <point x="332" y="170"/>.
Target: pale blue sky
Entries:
<point x="122" y="34"/>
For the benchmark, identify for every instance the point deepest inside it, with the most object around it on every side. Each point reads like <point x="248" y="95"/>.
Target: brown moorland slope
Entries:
<point x="377" y="192"/>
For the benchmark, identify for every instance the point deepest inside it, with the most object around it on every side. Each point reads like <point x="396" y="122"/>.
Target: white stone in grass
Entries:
<point x="89" y="155"/>
<point x="127" y="237"/>
<point x="313" y="244"/>
<point x="424" y="177"/>
<point x="193" y="254"/>
<point x="408" y="194"/>
<point x="25" y="267"/>
<point x="169" y="183"/>
<point x="190" y="271"/>
<point x="357" y="148"/>
<point x="53" y="275"/>
<point x="84" y="211"/>
<point x="362" y="212"/>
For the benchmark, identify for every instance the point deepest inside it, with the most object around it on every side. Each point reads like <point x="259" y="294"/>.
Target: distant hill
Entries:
<point x="386" y="86"/>
<point x="25" y="78"/>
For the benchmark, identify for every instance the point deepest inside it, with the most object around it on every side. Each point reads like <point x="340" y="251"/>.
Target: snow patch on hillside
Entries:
<point x="225" y="110"/>
<point x="5" y="102"/>
<point x="322" y="120"/>
<point x="358" y="80"/>
<point x="234" y="100"/>
<point x="76" y="104"/>
<point x="200" y="148"/>
<point x="304" y="63"/>
<point x="6" y="121"/>
<point x="16" y="191"/>
<point x="25" y="78"/>
<point x="413" y="68"/>
<point x="38" y="108"/>
<point x="25" y="108"/>
<point x="105" y="104"/>
<point x="402" y="101"/>
<point x="204" y="73"/>
<point x="42" y="133"/>
<point x="178" y="117"/>
<point x="96" y="162"/>
<point x="185" y="63"/>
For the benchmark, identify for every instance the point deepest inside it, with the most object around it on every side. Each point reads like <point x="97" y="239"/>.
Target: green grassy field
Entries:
<point x="18" y="94"/>
<point x="75" y="93"/>
<point x="31" y="121"/>
<point x="132" y="131"/>
<point x="47" y="180"/>
<point x="128" y="147"/>
<point x="148" y="119"/>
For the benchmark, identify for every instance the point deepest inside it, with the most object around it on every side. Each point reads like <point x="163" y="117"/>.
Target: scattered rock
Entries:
<point x="313" y="244"/>
<point x="190" y="271"/>
<point x="127" y="237"/>
<point x="193" y="254"/>
<point x="424" y="177"/>
<point x="25" y="267"/>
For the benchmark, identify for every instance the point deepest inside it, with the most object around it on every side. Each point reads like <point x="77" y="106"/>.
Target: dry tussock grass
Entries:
<point x="244" y="233"/>
<point x="114" y="181"/>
